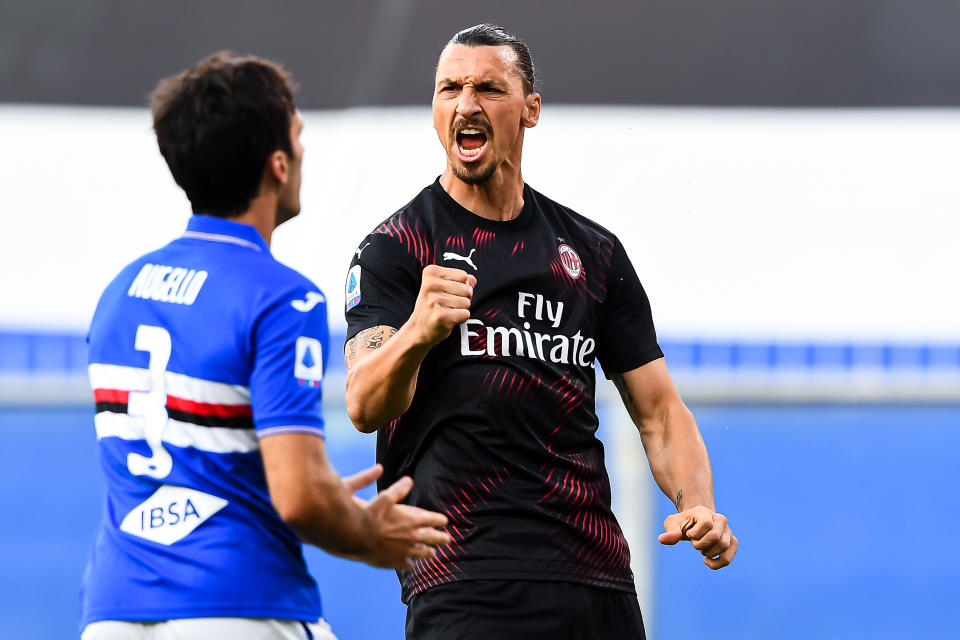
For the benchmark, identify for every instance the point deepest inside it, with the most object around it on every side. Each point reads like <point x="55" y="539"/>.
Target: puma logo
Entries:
<point x="313" y="299"/>
<point x="450" y="255"/>
<point x="360" y="250"/>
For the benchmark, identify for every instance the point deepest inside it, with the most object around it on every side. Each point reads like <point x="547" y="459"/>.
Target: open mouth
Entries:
<point x="471" y="143"/>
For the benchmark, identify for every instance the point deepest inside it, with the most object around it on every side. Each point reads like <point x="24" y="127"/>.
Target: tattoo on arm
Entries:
<point x="376" y="338"/>
<point x="679" y="501"/>
<point x="366" y="340"/>
<point x="625" y="394"/>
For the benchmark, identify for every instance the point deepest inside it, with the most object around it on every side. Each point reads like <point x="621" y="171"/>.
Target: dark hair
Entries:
<point x="216" y="125"/>
<point x="491" y="35"/>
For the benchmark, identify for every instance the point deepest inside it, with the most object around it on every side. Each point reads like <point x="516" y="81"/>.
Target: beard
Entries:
<point x="470" y="173"/>
<point x="473" y="176"/>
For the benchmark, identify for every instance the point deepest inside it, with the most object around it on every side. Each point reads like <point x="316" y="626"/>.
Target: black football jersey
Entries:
<point x="501" y="433"/>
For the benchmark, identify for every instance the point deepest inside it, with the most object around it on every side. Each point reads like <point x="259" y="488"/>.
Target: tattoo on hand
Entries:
<point x="368" y="339"/>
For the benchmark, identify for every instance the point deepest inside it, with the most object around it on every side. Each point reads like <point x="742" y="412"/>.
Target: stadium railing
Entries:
<point x="50" y="368"/>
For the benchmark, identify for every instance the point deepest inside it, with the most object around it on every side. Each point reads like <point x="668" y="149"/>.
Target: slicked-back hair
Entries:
<point x="216" y="125"/>
<point x="491" y="35"/>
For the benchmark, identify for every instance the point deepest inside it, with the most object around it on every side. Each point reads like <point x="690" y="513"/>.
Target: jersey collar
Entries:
<point x="213" y="229"/>
<point x="494" y="225"/>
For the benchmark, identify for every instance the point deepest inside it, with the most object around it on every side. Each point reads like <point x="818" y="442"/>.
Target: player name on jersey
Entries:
<point x="163" y="283"/>
<point x="510" y="341"/>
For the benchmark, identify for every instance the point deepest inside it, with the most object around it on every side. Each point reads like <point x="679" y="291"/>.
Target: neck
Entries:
<point x="261" y="215"/>
<point x="499" y="198"/>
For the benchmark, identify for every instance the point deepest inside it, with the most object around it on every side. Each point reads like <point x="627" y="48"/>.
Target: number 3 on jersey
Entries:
<point x="150" y="407"/>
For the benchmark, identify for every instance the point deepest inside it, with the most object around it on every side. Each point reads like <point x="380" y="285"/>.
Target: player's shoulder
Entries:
<point x="407" y="231"/>
<point x="415" y="211"/>
<point x="278" y="285"/>
<point x="129" y="273"/>
<point x="588" y="227"/>
<point x="238" y="272"/>
<point x="276" y="275"/>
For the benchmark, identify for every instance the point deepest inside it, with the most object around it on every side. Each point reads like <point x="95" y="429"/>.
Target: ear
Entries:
<point x="531" y="110"/>
<point x="278" y="167"/>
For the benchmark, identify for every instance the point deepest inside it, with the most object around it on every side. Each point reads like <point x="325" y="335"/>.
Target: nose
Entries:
<point x="468" y="104"/>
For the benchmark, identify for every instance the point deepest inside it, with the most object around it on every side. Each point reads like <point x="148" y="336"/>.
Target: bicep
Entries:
<point x="647" y="391"/>
<point x="365" y="342"/>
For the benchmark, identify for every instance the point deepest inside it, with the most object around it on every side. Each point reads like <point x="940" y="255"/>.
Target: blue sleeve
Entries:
<point x="291" y="341"/>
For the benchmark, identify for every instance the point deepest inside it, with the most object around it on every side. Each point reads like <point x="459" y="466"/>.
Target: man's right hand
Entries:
<point x="443" y="302"/>
<point x="403" y="532"/>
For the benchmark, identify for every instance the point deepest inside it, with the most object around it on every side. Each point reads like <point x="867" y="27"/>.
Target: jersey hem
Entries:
<point x="273" y="431"/>
<point x="645" y="357"/>
<point x="627" y="587"/>
<point x="301" y="421"/>
<point x="155" y="615"/>
<point x="394" y="321"/>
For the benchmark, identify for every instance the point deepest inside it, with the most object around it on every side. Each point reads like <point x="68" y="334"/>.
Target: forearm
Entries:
<point x="341" y="530"/>
<point x="322" y="511"/>
<point x="679" y="462"/>
<point x="309" y="495"/>
<point x="381" y="383"/>
<point x="678" y="457"/>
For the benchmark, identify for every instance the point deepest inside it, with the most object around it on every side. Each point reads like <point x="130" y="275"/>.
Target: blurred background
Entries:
<point x="782" y="174"/>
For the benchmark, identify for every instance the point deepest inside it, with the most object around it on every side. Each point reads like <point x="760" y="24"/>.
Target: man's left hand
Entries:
<point x="707" y="530"/>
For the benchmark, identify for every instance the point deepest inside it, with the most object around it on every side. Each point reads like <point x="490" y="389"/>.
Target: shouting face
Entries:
<point x="480" y="110"/>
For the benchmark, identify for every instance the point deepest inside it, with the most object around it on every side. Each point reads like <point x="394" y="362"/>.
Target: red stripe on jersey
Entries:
<point x="459" y="513"/>
<point x="429" y="572"/>
<point x="484" y="485"/>
<point x="111" y="395"/>
<point x="205" y="409"/>
<point x="411" y="238"/>
<point x="442" y="552"/>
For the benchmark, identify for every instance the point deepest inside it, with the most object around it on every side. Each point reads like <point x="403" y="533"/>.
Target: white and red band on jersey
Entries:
<point x="111" y="376"/>
<point x="178" y="434"/>
<point x="206" y="415"/>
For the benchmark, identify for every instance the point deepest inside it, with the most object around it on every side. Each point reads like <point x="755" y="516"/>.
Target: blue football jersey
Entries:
<point x="197" y="351"/>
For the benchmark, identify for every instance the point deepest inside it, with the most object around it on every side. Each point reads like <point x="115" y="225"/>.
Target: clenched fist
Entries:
<point x="443" y="303"/>
<point x="707" y="530"/>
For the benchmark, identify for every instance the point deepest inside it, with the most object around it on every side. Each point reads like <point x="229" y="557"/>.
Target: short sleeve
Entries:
<point x="382" y="285"/>
<point x="626" y="338"/>
<point x="291" y="342"/>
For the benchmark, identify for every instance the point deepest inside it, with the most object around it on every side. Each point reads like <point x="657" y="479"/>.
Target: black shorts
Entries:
<point x="523" y="610"/>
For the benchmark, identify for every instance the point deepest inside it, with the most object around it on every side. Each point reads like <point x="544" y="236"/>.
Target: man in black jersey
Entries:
<point x="475" y="315"/>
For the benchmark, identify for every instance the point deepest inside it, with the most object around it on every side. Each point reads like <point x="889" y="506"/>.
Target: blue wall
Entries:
<point x="46" y="352"/>
<point x="845" y="516"/>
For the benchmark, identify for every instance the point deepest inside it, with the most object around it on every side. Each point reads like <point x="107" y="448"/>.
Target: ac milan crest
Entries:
<point x="570" y="261"/>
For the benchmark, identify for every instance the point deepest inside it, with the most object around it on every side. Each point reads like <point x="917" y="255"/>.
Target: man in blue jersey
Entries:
<point x="206" y="362"/>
